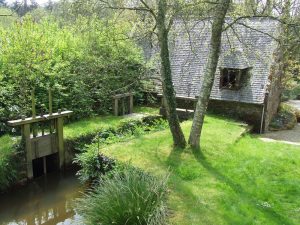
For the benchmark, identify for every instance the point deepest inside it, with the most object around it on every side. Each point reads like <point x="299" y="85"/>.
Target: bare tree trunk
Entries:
<point x="216" y="36"/>
<point x="166" y="74"/>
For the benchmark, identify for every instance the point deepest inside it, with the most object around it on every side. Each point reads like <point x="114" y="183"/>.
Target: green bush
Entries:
<point x="129" y="196"/>
<point x="285" y="119"/>
<point x="83" y="63"/>
<point x="10" y="161"/>
<point x="92" y="163"/>
<point x="292" y="93"/>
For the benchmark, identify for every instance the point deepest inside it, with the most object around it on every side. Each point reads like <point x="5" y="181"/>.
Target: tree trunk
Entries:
<point x="202" y="103"/>
<point x="166" y="74"/>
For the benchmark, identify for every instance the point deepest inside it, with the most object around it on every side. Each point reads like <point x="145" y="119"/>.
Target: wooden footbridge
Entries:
<point x="42" y="136"/>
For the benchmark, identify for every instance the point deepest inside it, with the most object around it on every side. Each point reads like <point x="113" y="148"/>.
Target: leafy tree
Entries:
<point x="23" y="7"/>
<point x="83" y="63"/>
<point x="209" y="76"/>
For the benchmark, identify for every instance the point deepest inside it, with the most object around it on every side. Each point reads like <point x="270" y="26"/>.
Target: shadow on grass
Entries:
<point x="270" y="213"/>
<point x="174" y="159"/>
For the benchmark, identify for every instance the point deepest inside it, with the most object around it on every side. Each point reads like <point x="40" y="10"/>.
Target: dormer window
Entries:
<point x="232" y="78"/>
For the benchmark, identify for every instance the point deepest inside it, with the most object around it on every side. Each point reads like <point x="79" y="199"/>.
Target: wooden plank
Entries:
<point x="45" y="165"/>
<point x="122" y="95"/>
<point x="39" y="118"/>
<point x="50" y="102"/>
<point x="43" y="146"/>
<point x="123" y="106"/>
<point x="60" y="141"/>
<point x="130" y="104"/>
<point x="28" y="150"/>
<point x="116" y="107"/>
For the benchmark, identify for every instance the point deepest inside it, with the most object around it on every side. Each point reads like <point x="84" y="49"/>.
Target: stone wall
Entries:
<point x="249" y="113"/>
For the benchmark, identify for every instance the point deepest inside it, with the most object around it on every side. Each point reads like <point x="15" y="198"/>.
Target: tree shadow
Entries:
<point x="174" y="158"/>
<point x="237" y="188"/>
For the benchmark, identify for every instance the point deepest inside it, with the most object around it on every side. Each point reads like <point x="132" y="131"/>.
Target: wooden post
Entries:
<point x="45" y="165"/>
<point x="33" y="103"/>
<point x="28" y="148"/>
<point x="162" y="102"/>
<point x="60" y="141"/>
<point x="50" y="101"/>
<point x="116" y="108"/>
<point x="131" y="103"/>
<point x="34" y="128"/>
<point x="123" y="106"/>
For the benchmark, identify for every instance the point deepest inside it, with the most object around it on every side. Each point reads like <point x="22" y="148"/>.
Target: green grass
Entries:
<point x="91" y="125"/>
<point x="234" y="180"/>
<point x="71" y="132"/>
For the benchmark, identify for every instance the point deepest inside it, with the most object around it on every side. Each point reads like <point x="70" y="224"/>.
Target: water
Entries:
<point x="47" y="200"/>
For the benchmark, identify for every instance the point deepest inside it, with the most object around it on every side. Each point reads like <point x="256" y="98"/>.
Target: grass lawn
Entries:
<point x="71" y="131"/>
<point x="234" y="180"/>
<point x="90" y="125"/>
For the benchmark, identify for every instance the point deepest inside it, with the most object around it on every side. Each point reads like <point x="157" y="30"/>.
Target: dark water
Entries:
<point x="47" y="200"/>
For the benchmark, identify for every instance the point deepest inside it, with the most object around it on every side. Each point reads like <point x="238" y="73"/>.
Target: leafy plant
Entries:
<point x="130" y="196"/>
<point x="93" y="164"/>
<point x="10" y="160"/>
<point x="284" y="119"/>
<point x="83" y="63"/>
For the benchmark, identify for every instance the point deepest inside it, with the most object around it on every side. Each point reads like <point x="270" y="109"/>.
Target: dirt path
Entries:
<point x="285" y="136"/>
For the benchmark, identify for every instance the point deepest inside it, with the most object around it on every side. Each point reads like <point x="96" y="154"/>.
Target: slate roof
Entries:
<point x="235" y="59"/>
<point x="242" y="47"/>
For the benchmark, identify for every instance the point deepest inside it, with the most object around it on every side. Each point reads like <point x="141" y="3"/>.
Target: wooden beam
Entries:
<point x="123" y="106"/>
<point x="28" y="149"/>
<point x="39" y="118"/>
<point x="60" y="140"/>
<point x="122" y="95"/>
<point x="50" y="102"/>
<point x="130" y="104"/>
<point x="45" y="165"/>
<point x="116" y="107"/>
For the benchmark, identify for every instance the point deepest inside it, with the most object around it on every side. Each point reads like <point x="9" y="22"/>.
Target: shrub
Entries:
<point x="129" y="196"/>
<point x="83" y="63"/>
<point x="89" y="158"/>
<point x="93" y="164"/>
<point x="284" y="119"/>
<point x="10" y="161"/>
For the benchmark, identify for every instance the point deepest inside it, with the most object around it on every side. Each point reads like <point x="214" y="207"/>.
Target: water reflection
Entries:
<point x="47" y="200"/>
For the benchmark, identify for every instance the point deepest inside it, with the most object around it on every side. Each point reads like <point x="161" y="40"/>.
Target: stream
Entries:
<point x="46" y="200"/>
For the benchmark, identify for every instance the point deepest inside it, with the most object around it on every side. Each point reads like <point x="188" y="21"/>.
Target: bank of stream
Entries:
<point x="46" y="200"/>
<point x="49" y="199"/>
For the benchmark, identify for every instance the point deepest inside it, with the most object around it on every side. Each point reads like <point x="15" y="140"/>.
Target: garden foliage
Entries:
<point x="127" y="196"/>
<point x="93" y="164"/>
<point x="84" y="63"/>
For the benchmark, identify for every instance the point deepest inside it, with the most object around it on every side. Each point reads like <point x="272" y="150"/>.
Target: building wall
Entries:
<point x="249" y="113"/>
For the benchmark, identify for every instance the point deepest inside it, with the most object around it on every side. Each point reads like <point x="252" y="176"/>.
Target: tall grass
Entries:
<point x="128" y="196"/>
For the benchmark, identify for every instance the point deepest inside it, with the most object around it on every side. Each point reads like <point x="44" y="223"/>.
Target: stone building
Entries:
<point x="247" y="81"/>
